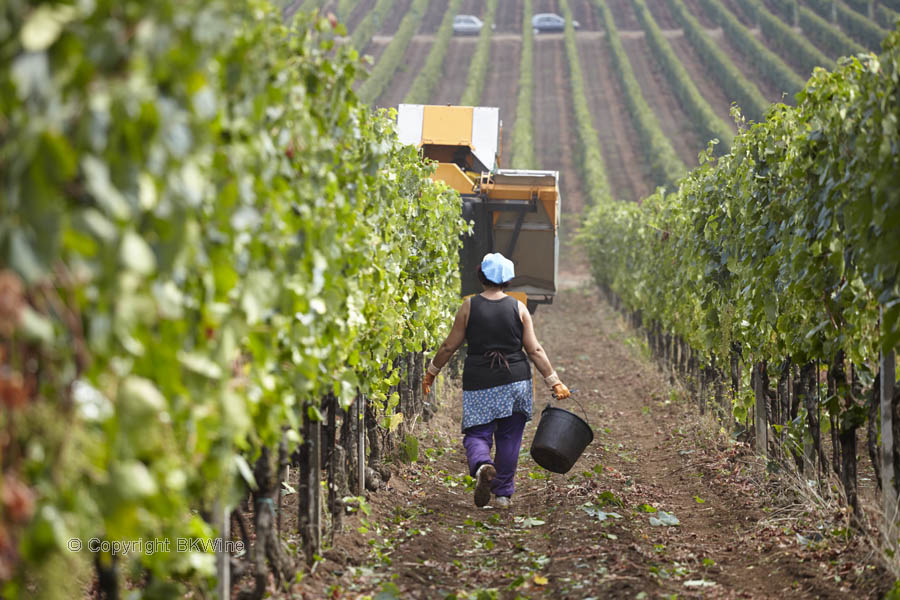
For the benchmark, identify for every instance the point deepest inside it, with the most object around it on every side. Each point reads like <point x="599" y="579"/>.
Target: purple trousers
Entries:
<point x="508" y="434"/>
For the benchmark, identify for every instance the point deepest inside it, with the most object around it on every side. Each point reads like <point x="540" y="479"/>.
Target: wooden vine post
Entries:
<point x="889" y="491"/>
<point x="223" y="556"/>
<point x="760" y="414"/>
<point x="361" y="445"/>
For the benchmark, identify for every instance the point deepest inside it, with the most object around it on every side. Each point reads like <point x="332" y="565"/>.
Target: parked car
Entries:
<point x="549" y="22"/>
<point x="468" y="25"/>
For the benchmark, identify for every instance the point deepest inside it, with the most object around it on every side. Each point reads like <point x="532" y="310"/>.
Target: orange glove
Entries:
<point x="561" y="391"/>
<point x="427" y="383"/>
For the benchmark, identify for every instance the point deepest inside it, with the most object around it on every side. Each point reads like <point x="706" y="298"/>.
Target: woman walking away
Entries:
<point x="496" y="378"/>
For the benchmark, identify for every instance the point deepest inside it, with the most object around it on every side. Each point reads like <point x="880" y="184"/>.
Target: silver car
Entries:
<point x="549" y="22"/>
<point x="467" y="25"/>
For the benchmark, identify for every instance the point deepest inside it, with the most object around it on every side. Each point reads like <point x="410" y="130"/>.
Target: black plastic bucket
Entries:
<point x="560" y="439"/>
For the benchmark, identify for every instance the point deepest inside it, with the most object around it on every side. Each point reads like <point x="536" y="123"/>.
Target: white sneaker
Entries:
<point x="502" y="501"/>
<point x="483" y="477"/>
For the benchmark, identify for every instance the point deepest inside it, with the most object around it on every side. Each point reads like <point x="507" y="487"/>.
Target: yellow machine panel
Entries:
<point x="447" y="125"/>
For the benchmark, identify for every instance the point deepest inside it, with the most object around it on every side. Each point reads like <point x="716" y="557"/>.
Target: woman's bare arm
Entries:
<point x="455" y="338"/>
<point x="533" y="348"/>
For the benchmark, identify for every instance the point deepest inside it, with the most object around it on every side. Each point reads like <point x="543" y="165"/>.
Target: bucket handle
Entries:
<point x="572" y="397"/>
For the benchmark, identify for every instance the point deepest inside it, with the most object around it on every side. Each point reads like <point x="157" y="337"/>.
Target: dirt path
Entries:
<point x="454" y="72"/>
<point x="409" y="68"/>
<point x="706" y="83"/>
<point x="554" y="123"/>
<point x="358" y="13"/>
<point x="585" y="13"/>
<point x="509" y="17"/>
<point x="394" y="16"/>
<point x="590" y="533"/>
<point x="672" y="119"/>
<point x="434" y="14"/>
<point x="626" y="168"/>
<point x="501" y="89"/>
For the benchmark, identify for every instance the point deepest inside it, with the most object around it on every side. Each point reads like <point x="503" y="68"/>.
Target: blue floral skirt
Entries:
<point x="483" y="406"/>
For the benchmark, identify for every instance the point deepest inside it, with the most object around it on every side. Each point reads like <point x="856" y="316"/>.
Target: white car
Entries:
<point x="549" y="22"/>
<point x="468" y="25"/>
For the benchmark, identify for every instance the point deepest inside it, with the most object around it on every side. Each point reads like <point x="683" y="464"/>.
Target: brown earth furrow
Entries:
<point x="626" y="168"/>
<point x="358" y="13"/>
<point x="623" y="15"/>
<point x="750" y="70"/>
<point x="509" y="16"/>
<point x="673" y="120"/>
<point x="699" y="12"/>
<point x="394" y="16"/>
<point x="454" y="72"/>
<point x="409" y="67"/>
<point x="544" y="6"/>
<point x="431" y="21"/>
<point x="375" y="49"/>
<point x="717" y="98"/>
<point x="554" y="125"/>
<point x="501" y="89"/>
<point x="662" y="14"/>
<point x="738" y="11"/>
<point x="472" y="7"/>
<point x="585" y="13"/>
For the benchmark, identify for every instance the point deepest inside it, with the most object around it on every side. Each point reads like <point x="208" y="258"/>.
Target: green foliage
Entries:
<point x="786" y="41"/>
<point x="860" y="28"/>
<point x="769" y="64"/>
<point x="664" y="162"/>
<point x="786" y="244"/>
<point x="431" y="72"/>
<point x="592" y="166"/>
<point x="824" y="34"/>
<point x="213" y="233"/>
<point x="887" y="17"/>
<point x="523" y="152"/>
<point x="481" y="59"/>
<point x="344" y="8"/>
<point x="695" y="105"/>
<point x="380" y="77"/>
<point x="363" y="33"/>
<point x="730" y="78"/>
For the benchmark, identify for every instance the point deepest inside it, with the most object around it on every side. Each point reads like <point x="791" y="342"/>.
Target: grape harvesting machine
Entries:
<point x="512" y="211"/>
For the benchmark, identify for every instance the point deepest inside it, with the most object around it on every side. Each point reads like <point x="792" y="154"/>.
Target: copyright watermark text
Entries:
<point x="154" y="545"/>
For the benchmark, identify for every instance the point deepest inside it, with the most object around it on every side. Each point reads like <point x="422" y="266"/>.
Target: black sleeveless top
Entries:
<point x="494" y="335"/>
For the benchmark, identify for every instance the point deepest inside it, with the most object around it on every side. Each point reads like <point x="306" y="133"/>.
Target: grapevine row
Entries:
<point x="787" y="42"/>
<point x="390" y="59"/>
<point x="523" y="153"/>
<point x="430" y="73"/>
<point x="825" y="34"/>
<point x="363" y="33"/>
<point x="693" y="102"/>
<point x="185" y="282"/>
<point x="592" y="164"/>
<point x="778" y="255"/>
<point x="729" y="77"/>
<point x="665" y="164"/>
<point x="887" y="17"/>
<point x="858" y="27"/>
<point x="769" y="64"/>
<point x="481" y="59"/>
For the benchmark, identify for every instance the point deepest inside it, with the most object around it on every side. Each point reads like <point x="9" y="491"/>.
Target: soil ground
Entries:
<point x="672" y="119"/>
<point x="626" y="169"/>
<point x="455" y="71"/>
<point x="358" y="13"/>
<point x="500" y="89"/>
<point x="434" y="14"/>
<point x="594" y="532"/>
<point x="509" y="17"/>
<point x="409" y="67"/>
